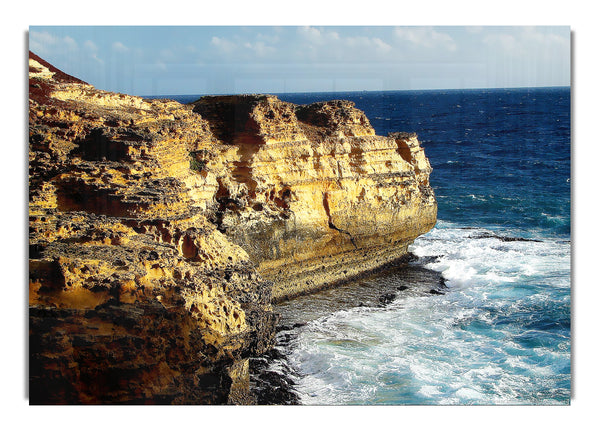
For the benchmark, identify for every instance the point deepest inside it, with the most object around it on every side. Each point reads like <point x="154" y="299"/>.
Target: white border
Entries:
<point x="580" y="15"/>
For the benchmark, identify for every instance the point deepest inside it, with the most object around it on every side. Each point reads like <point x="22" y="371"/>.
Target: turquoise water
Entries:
<point x="499" y="335"/>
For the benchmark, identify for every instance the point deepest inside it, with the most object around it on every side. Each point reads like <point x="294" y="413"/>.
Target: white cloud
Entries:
<point x="425" y="37"/>
<point x="381" y="46"/>
<point x="259" y="48"/>
<point x="474" y="29"/>
<point x="310" y="44"/>
<point x="70" y="43"/>
<point x="310" y="33"/>
<point x="40" y="42"/>
<point x="540" y="36"/>
<point x="222" y="44"/>
<point x="42" y="37"/>
<point x="319" y="37"/>
<point x="506" y="42"/>
<point x="324" y="44"/>
<point x="528" y="56"/>
<point x="160" y="66"/>
<point x="268" y="38"/>
<point x="256" y="48"/>
<point x="119" y="47"/>
<point x="366" y="43"/>
<point x="528" y="41"/>
<point x="92" y="50"/>
<point x="45" y="42"/>
<point x="90" y="46"/>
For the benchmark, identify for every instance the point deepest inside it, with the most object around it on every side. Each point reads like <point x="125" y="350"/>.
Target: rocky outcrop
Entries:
<point x="160" y="233"/>
<point x="134" y="296"/>
<point x="310" y="192"/>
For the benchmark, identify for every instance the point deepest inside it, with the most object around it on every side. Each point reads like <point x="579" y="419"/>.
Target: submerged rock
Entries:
<point x="387" y="298"/>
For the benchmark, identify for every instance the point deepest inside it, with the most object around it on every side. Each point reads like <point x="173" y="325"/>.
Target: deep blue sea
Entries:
<point x="500" y="333"/>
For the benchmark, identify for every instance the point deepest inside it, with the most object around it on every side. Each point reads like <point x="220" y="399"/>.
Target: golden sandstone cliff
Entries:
<point x="160" y="233"/>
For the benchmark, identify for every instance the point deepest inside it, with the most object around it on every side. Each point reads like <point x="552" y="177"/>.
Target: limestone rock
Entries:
<point x="310" y="192"/>
<point x="134" y="296"/>
<point x="160" y="233"/>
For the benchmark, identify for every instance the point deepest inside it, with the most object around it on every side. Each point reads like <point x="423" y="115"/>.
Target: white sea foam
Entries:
<point x="479" y="257"/>
<point x="489" y="340"/>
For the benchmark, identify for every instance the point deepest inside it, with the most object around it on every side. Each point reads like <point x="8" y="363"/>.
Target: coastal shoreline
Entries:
<point x="274" y="379"/>
<point x="161" y="233"/>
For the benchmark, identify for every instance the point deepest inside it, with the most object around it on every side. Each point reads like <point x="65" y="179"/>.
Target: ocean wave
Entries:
<point x="478" y="198"/>
<point x="477" y="256"/>
<point x="499" y="335"/>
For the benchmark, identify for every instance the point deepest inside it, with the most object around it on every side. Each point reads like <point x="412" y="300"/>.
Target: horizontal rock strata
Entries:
<point x="310" y="192"/>
<point x="160" y="233"/>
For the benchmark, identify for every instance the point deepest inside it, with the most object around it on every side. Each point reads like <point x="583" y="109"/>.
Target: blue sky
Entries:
<point x="226" y="59"/>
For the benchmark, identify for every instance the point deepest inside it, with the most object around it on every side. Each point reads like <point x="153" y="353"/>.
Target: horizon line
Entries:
<point x="356" y="91"/>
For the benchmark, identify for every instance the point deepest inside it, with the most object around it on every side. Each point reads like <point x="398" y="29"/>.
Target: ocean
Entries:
<point x="481" y="313"/>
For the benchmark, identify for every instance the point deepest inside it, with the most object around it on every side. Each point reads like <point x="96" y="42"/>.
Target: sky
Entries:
<point x="163" y="60"/>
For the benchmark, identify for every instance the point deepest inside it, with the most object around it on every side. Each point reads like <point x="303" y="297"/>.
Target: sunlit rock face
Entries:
<point x="310" y="192"/>
<point x="135" y="297"/>
<point x="160" y="233"/>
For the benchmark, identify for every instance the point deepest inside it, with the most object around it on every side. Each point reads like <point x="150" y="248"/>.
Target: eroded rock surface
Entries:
<point x="160" y="233"/>
<point x="310" y="192"/>
<point x="134" y="296"/>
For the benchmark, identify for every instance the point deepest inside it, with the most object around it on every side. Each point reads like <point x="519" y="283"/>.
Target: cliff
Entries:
<point x="160" y="233"/>
<point x="310" y="192"/>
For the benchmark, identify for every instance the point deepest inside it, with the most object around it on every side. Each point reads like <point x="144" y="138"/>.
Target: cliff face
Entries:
<point x="134" y="296"/>
<point x="310" y="192"/>
<point x="161" y="232"/>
